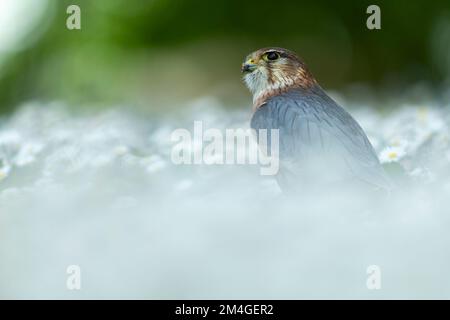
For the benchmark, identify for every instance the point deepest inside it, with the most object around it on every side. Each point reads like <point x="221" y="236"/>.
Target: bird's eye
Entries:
<point x="272" y="56"/>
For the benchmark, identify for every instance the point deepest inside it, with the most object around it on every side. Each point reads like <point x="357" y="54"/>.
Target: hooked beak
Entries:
<point x="248" y="67"/>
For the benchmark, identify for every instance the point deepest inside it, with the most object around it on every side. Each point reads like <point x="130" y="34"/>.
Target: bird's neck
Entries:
<point x="281" y="84"/>
<point x="261" y="97"/>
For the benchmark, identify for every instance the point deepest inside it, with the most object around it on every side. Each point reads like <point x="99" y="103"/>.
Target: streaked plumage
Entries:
<point x="320" y="143"/>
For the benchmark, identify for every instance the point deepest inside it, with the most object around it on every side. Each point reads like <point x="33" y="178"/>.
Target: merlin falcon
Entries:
<point x="320" y="144"/>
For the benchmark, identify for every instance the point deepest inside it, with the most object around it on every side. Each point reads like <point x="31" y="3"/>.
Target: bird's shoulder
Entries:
<point x="311" y="114"/>
<point x="310" y="122"/>
<point x="307" y="105"/>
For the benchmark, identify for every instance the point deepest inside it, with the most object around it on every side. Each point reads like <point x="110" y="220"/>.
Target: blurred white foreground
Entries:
<point x="99" y="191"/>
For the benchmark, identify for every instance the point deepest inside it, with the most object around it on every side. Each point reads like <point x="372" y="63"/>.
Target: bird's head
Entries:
<point x="272" y="71"/>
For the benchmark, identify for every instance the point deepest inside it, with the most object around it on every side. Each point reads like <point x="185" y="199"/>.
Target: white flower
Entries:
<point x="4" y="172"/>
<point x="430" y="119"/>
<point x="121" y="150"/>
<point x="392" y="154"/>
<point x="153" y="163"/>
<point x="27" y="154"/>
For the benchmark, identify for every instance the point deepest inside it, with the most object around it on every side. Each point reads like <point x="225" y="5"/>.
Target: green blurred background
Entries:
<point x="156" y="54"/>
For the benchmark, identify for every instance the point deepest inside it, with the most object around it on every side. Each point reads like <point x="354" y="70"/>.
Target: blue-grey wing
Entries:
<point x="319" y="138"/>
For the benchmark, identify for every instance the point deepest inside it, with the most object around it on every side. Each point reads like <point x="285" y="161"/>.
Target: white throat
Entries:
<point x="258" y="84"/>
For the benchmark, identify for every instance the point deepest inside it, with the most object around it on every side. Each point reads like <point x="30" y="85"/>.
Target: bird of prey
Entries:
<point x="319" y="142"/>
